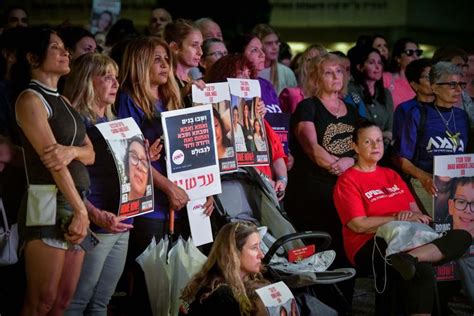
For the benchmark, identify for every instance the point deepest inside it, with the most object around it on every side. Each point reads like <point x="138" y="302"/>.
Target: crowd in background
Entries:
<point x="58" y="82"/>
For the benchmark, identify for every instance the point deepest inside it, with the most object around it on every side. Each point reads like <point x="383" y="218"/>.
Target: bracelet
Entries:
<point x="282" y="179"/>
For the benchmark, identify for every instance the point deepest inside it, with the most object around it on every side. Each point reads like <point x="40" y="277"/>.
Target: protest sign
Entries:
<point x="104" y="15"/>
<point x="191" y="150"/>
<point x="278" y="299"/>
<point x="454" y="179"/>
<point x="250" y="137"/>
<point x="217" y="94"/>
<point x="132" y="161"/>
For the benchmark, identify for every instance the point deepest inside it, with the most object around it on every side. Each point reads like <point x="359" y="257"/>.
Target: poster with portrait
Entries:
<point x="250" y="137"/>
<point x="190" y="144"/>
<point x="218" y="95"/>
<point x="104" y="14"/>
<point x="454" y="179"/>
<point x="278" y="300"/>
<point x="132" y="160"/>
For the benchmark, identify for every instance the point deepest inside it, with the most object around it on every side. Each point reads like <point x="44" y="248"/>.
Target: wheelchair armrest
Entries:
<point x="325" y="237"/>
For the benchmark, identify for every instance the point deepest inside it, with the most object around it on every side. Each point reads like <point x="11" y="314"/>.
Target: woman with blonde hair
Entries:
<point x="291" y="96"/>
<point x="232" y="270"/>
<point x="320" y="140"/>
<point x="278" y="74"/>
<point x="148" y="87"/>
<point x="92" y="87"/>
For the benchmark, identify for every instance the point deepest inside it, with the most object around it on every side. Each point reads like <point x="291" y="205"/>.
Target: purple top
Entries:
<point x="269" y="96"/>
<point x="152" y="130"/>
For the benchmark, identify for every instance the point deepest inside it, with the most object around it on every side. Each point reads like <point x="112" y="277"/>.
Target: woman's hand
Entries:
<point x="77" y="229"/>
<point x="420" y="218"/>
<point x="154" y="149"/>
<point x="426" y="181"/>
<point x="260" y="109"/>
<point x="57" y="156"/>
<point x="341" y="165"/>
<point x="177" y="197"/>
<point x="209" y="205"/>
<point x="111" y="222"/>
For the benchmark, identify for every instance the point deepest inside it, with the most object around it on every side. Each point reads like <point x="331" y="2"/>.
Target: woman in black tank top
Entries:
<point x="56" y="151"/>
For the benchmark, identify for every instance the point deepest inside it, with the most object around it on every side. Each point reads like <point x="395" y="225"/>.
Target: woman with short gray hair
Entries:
<point x="433" y="130"/>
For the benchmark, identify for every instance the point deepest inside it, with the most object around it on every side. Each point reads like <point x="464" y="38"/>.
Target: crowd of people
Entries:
<point x="368" y="120"/>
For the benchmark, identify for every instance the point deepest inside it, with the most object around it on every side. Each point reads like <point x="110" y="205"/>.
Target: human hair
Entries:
<point x="240" y="42"/>
<point x="457" y="182"/>
<point x="316" y="74"/>
<point x="256" y="121"/>
<point x="126" y="158"/>
<point x="443" y="68"/>
<point x="223" y="266"/>
<point x="121" y="30"/>
<point x="304" y="62"/>
<point x="225" y="140"/>
<point x="360" y="126"/>
<point x="35" y="44"/>
<point x="199" y="23"/>
<point x="71" y="35"/>
<point x="261" y="31"/>
<point x="447" y="53"/>
<point x="10" y="41"/>
<point x="9" y="10"/>
<point x="229" y="67"/>
<point x="134" y="77"/>
<point x="416" y="68"/>
<point x="398" y="49"/>
<point x="207" y="43"/>
<point x="246" y="119"/>
<point x="358" y="58"/>
<point x="372" y="40"/>
<point x="285" y="52"/>
<point x="79" y="88"/>
<point x="178" y="30"/>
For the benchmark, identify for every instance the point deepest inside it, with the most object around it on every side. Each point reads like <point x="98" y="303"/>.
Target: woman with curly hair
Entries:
<point x="228" y="277"/>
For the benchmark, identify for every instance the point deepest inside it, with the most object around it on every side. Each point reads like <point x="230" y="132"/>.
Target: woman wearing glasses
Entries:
<point x="368" y="196"/>
<point x="213" y="49"/>
<point x="137" y="168"/>
<point x="404" y="52"/>
<point x="433" y="130"/>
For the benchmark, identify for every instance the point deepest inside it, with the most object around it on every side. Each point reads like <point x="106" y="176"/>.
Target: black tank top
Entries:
<point x="68" y="129"/>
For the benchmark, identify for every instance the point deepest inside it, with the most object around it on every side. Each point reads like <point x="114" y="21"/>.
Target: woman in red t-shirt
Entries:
<point x="366" y="197"/>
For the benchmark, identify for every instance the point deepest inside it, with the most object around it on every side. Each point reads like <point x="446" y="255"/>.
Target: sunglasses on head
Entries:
<point x="410" y="52"/>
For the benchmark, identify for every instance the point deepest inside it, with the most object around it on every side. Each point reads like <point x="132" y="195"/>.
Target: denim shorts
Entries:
<point x="52" y="235"/>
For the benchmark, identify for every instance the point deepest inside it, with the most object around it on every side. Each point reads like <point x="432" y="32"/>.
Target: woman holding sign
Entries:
<point x="148" y="60"/>
<point x="433" y="130"/>
<point x="104" y="264"/>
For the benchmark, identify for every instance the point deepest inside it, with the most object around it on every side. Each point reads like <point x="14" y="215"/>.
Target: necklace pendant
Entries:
<point x="454" y="139"/>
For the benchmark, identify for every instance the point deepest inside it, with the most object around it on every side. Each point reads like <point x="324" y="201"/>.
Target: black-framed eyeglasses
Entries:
<point x="410" y="52"/>
<point x="218" y="54"/>
<point x="461" y="205"/>
<point x="453" y="84"/>
<point x="144" y="166"/>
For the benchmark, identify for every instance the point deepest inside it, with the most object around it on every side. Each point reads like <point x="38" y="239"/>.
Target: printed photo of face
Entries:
<point x="461" y="206"/>
<point x="138" y="167"/>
